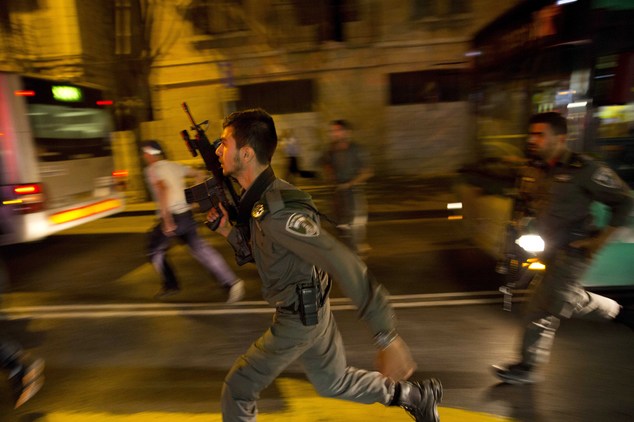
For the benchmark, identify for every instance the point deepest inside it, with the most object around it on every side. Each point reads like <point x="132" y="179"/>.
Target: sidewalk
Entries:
<point x="392" y="197"/>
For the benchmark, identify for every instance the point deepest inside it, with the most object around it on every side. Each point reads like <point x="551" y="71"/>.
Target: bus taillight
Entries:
<point x="27" y="189"/>
<point x="120" y="179"/>
<point x="27" y="198"/>
<point x="24" y="93"/>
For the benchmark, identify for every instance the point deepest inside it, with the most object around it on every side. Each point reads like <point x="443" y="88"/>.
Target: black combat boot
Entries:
<point x="626" y="316"/>
<point x="516" y="374"/>
<point x="419" y="399"/>
<point x="26" y="378"/>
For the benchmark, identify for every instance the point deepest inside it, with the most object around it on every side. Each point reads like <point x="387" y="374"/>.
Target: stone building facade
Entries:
<point x="396" y="69"/>
<point x="62" y="39"/>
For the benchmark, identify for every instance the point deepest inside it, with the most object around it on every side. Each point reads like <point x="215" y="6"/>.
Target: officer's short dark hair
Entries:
<point x="341" y="122"/>
<point x="254" y="127"/>
<point x="557" y="122"/>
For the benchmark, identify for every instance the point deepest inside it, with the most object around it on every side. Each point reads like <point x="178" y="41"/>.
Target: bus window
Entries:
<point x="616" y="121"/>
<point x="66" y="133"/>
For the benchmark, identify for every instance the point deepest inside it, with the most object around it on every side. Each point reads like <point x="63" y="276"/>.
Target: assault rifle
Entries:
<point x="216" y="190"/>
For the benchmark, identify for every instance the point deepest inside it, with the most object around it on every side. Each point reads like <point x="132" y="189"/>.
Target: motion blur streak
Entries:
<point x="247" y="307"/>
<point x="87" y="211"/>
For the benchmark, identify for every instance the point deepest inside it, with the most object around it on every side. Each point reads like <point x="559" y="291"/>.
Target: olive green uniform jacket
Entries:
<point x="560" y="198"/>
<point x="290" y="248"/>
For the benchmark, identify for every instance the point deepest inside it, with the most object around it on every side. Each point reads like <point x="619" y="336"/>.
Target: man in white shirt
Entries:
<point x="166" y="180"/>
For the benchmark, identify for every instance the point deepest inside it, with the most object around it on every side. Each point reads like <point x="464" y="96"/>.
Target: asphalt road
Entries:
<point x="83" y="301"/>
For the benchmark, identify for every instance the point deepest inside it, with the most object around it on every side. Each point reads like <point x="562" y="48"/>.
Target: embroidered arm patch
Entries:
<point x="301" y="225"/>
<point x="607" y="178"/>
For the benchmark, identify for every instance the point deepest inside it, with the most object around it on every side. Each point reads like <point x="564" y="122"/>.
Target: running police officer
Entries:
<point x="295" y="259"/>
<point x="558" y="192"/>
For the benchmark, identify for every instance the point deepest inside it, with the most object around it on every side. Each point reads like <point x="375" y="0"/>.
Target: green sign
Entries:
<point x="66" y="93"/>
<point x="614" y="4"/>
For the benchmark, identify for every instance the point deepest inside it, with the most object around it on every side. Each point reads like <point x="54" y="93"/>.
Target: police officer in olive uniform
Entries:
<point x="558" y="192"/>
<point x="296" y="259"/>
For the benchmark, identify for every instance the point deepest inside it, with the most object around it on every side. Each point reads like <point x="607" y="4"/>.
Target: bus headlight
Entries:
<point x="531" y="243"/>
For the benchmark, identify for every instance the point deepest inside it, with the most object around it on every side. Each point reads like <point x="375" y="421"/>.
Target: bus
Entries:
<point x="571" y="56"/>
<point x="56" y="163"/>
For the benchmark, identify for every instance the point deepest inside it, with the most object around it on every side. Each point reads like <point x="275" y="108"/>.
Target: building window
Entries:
<point x="218" y="17"/>
<point x="422" y="9"/>
<point x="330" y="16"/>
<point x="123" y="27"/>
<point x="459" y="7"/>
<point x="428" y="86"/>
<point x="282" y="97"/>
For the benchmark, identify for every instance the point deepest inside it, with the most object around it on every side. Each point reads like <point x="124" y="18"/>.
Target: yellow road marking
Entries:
<point x="303" y="405"/>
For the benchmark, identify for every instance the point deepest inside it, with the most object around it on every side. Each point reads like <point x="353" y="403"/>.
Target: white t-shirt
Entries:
<point x="173" y="176"/>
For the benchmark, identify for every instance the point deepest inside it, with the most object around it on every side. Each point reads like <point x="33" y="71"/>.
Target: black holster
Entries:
<point x="309" y="296"/>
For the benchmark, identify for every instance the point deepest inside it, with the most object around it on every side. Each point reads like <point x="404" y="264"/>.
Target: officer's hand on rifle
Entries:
<point x="224" y="227"/>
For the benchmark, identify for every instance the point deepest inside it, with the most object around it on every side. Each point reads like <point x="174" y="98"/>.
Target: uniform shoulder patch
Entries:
<point x="606" y="177"/>
<point x="302" y="225"/>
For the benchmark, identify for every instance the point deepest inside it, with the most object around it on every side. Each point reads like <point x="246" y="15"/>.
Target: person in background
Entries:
<point x="297" y="262"/>
<point x="558" y="190"/>
<point x="348" y="168"/>
<point x="26" y="374"/>
<point x="292" y="150"/>
<point x="166" y="180"/>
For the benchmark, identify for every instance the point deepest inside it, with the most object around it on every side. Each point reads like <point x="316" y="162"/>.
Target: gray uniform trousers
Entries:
<point x="321" y="352"/>
<point x="560" y="295"/>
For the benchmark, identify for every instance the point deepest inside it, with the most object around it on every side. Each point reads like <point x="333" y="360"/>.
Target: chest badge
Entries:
<point x="257" y="211"/>
<point x="301" y="225"/>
